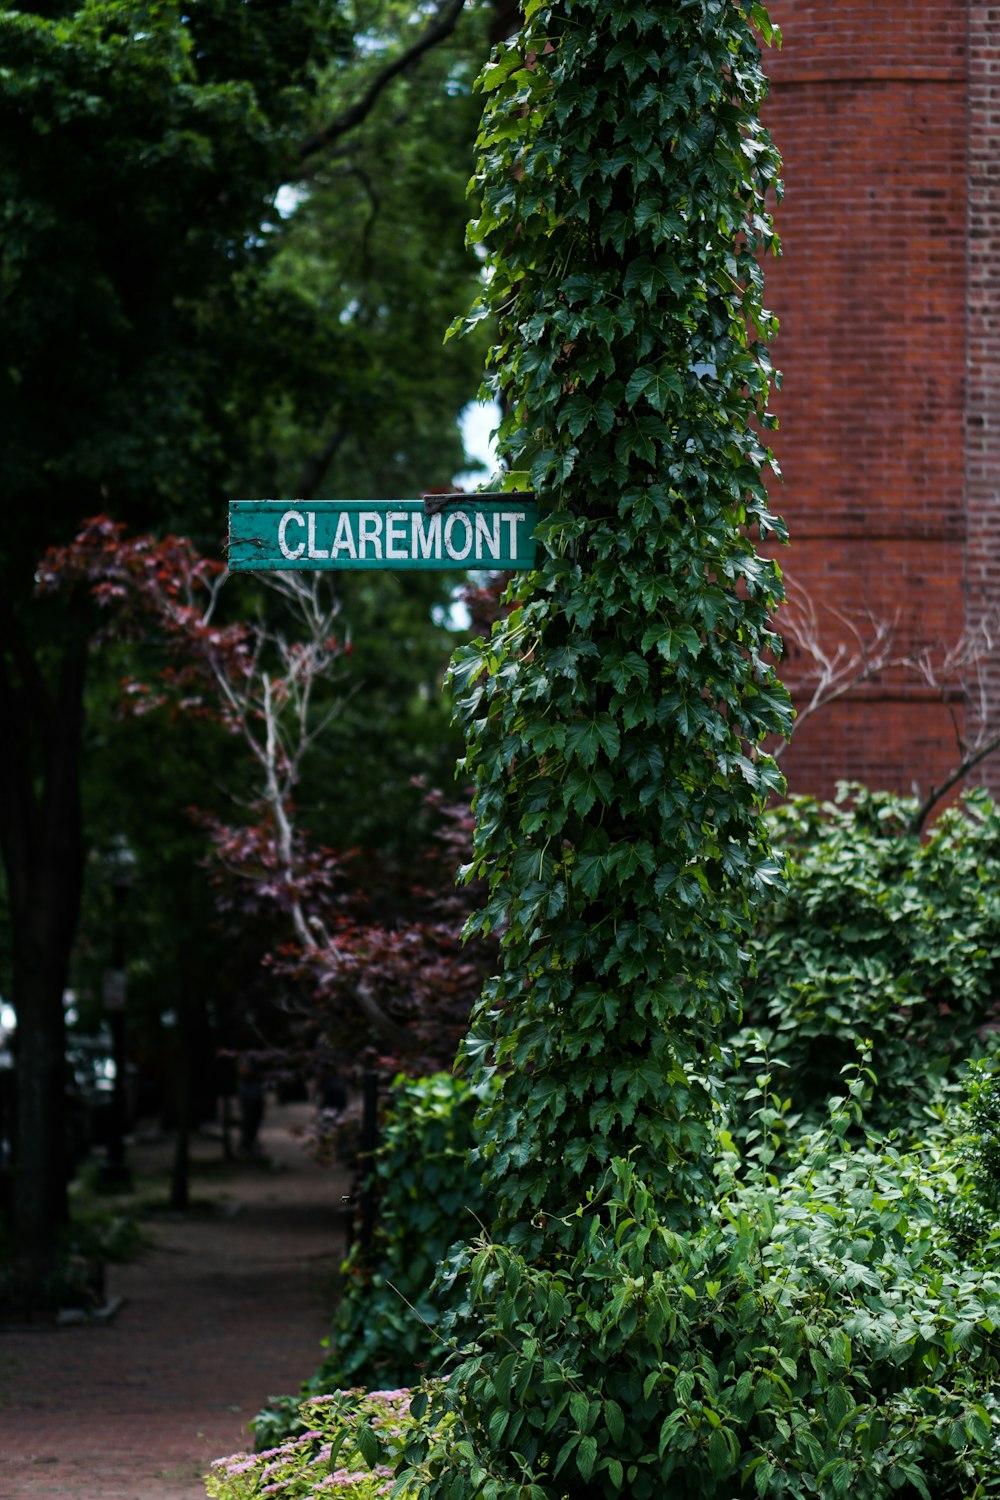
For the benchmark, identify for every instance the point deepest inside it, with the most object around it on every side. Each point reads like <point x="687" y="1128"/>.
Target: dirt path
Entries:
<point x="227" y="1307"/>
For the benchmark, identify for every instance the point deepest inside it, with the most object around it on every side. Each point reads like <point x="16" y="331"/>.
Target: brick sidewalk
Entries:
<point x="225" y="1309"/>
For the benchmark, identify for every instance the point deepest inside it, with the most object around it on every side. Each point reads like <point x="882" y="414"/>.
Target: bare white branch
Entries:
<point x="956" y="672"/>
<point x="830" y="672"/>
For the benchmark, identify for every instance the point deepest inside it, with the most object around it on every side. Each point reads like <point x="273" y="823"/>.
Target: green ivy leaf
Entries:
<point x="656" y="386"/>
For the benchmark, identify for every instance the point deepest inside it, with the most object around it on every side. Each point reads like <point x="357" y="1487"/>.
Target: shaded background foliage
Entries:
<point x="820" y="1324"/>
<point x="179" y="328"/>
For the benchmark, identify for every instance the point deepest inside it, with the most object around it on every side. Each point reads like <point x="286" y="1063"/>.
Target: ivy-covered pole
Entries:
<point x="615" y="715"/>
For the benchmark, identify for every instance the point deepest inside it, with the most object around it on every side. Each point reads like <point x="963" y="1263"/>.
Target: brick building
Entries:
<point x="887" y="115"/>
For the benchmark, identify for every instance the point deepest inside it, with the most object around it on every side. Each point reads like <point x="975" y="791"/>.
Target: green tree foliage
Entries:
<point x="372" y="258"/>
<point x="372" y="964"/>
<point x="371" y="267"/>
<point x="141" y="144"/>
<point x="151" y="337"/>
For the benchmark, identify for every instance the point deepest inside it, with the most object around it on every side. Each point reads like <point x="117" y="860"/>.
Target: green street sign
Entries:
<point x="441" y="531"/>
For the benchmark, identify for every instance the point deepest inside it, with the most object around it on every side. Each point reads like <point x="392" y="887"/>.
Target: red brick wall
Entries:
<point x="982" y="436"/>
<point x="870" y="107"/>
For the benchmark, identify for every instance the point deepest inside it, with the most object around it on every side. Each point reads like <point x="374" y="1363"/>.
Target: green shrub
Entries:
<point x="975" y="1221"/>
<point x="428" y="1197"/>
<point x="814" y="1338"/>
<point x="817" y="1337"/>
<point x="984" y="1134"/>
<point x="879" y="934"/>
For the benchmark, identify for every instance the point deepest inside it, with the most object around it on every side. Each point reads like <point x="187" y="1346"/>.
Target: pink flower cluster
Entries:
<point x="286" y="1469"/>
<point x="343" y="1477"/>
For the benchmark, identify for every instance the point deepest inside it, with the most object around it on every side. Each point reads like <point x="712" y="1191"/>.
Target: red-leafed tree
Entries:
<point x="365" y="963"/>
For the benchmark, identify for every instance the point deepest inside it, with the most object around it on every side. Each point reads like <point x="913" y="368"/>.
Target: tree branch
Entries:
<point x="839" y="671"/>
<point x="440" y="28"/>
<point x="965" y="765"/>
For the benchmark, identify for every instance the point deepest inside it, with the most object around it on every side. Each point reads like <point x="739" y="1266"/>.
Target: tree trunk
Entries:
<point x="41" y="1142"/>
<point x="180" y="1174"/>
<point x="42" y="845"/>
<point x="189" y="1051"/>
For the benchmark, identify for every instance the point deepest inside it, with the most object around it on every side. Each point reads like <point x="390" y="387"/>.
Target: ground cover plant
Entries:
<point x="335" y="1452"/>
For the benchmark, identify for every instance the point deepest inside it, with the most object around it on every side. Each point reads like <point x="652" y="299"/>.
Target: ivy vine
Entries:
<point x="613" y="719"/>
<point x="614" y="715"/>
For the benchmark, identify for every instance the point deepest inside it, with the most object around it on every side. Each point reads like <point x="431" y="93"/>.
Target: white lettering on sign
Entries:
<point x="290" y="552"/>
<point x="450" y="546"/>
<point x="395" y="535"/>
<point x="312" y="550"/>
<point x="343" y="541"/>
<point x="488" y="534"/>
<point x="425" y="537"/>
<point x="401" y="536"/>
<point x="370" y="530"/>
<point x="512" y="517"/>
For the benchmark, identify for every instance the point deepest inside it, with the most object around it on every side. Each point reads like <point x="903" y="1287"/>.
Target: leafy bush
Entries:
<point x="984" y="1134"/>
<point x="882" y="935"/>
<point x="813" y="1338"/>
<point x="976" y="1221"/>
<point x="428" y="1196"/>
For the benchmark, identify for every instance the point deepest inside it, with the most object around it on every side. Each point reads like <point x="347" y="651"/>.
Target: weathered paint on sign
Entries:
<point x="478" y="531"/>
